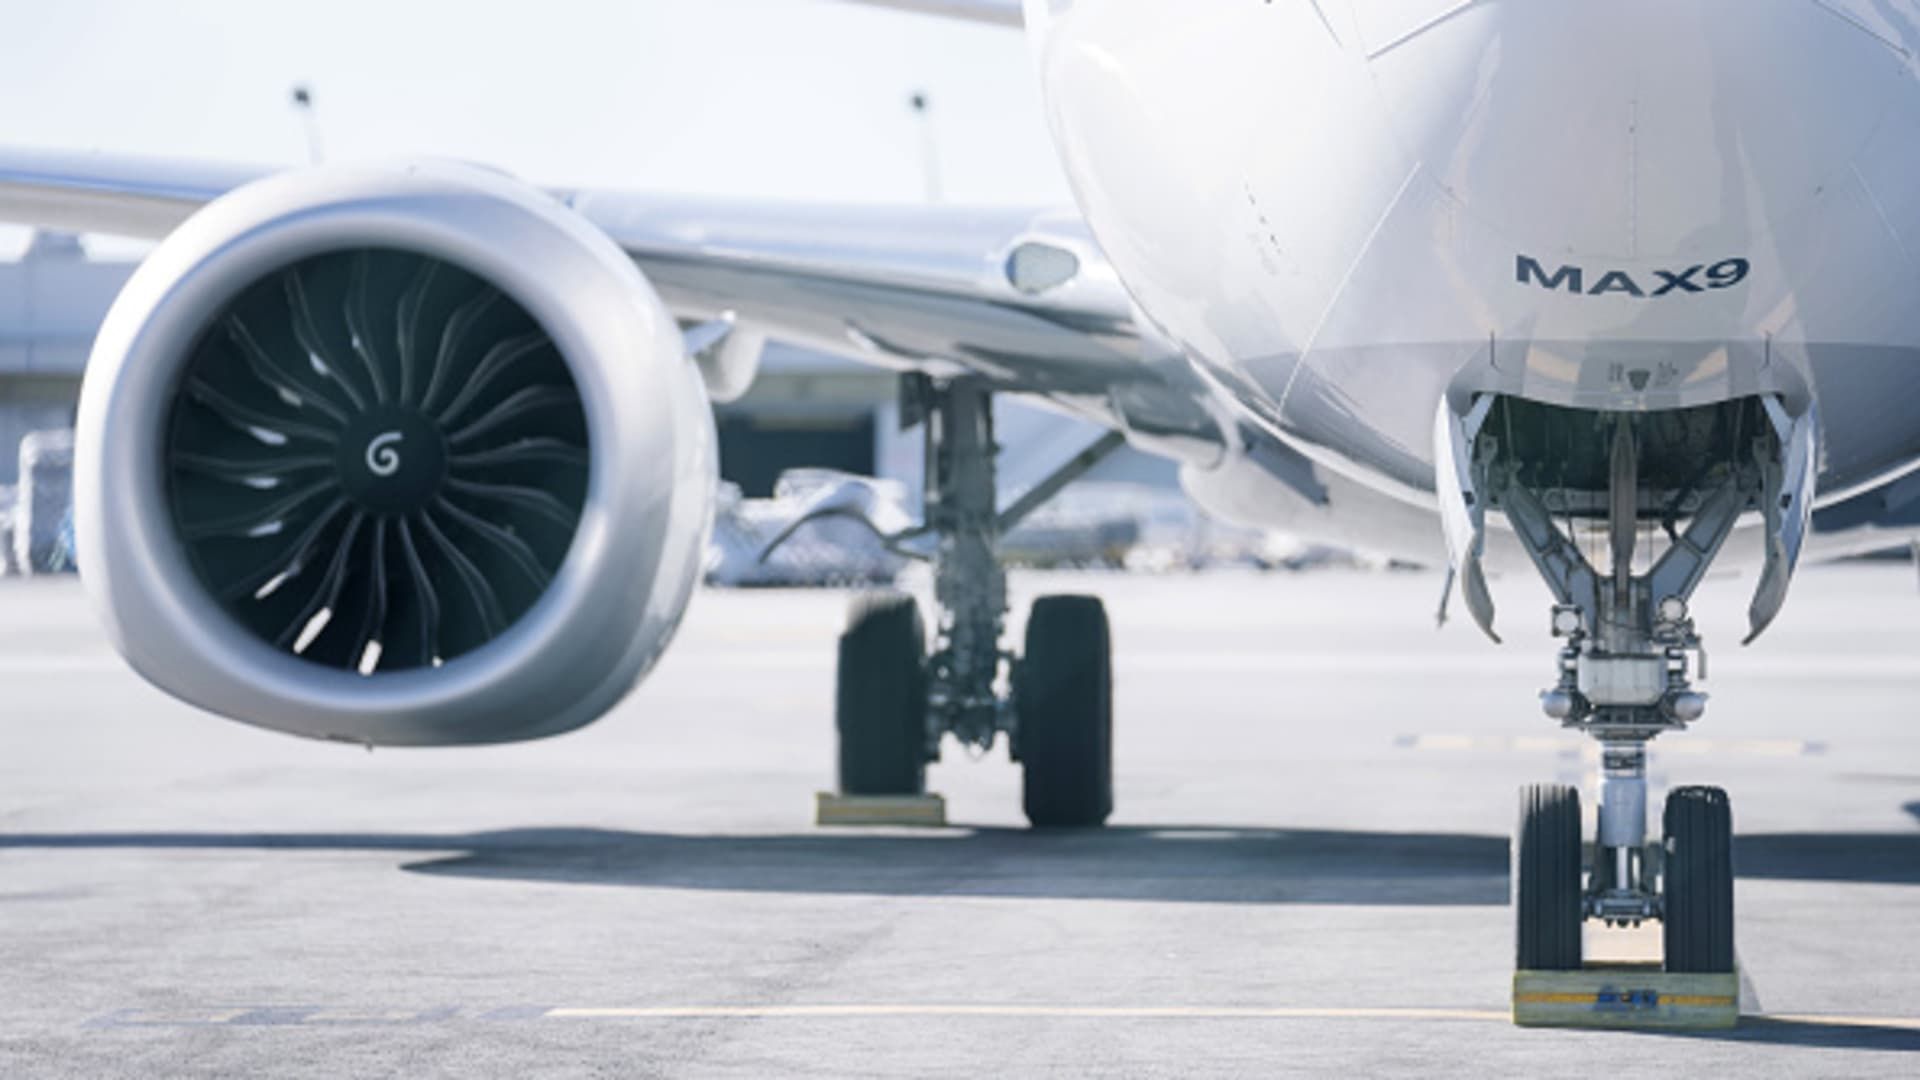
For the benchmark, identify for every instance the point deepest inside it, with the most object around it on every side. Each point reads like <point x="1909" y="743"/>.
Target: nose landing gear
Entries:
<point x="1629" y="644"/>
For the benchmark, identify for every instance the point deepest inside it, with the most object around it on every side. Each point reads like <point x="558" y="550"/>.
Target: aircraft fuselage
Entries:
<point x="1344" y="209"/>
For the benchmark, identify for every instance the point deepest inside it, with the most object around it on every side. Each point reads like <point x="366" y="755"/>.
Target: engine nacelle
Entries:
<point x="409" y="456"/>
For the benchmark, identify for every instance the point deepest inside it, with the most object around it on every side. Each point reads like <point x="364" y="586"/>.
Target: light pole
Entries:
<point x="303" y="104"/>
<point x="929" y="146"/>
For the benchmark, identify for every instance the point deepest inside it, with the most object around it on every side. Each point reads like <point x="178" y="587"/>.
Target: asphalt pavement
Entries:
<point x="1306" y="872"/>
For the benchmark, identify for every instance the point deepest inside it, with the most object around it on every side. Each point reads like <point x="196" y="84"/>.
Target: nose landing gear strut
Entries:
<point x="1629" y="646"/>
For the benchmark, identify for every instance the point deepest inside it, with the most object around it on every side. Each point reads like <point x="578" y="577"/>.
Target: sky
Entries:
<point x="769" y="99"/>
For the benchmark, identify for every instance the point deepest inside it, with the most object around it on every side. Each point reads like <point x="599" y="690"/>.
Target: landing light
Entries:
<point x="1557" y="704"/>
<point x="1688" y="707"/>
<point x="1034" y="268"/>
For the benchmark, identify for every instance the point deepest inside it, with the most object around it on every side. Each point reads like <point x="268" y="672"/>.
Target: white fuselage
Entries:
<point x="1343" y="209"/>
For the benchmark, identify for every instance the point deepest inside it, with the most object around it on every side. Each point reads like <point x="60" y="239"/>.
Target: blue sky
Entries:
<point x="781" y="99"/>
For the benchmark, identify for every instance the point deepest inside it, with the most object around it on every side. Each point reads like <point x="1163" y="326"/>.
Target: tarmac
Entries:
<point x="1306" y="872"/>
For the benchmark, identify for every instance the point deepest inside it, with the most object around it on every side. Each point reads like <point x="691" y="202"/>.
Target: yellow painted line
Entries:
<point x="1197" y="1012"/>
<point x="187" y="1017"/>
<point x="1172" y="1012"/>
<point x="360" y="1016"/>
<point x="334" y="1017"/>
<point x="1546" y="743"/>
<point x="1703" y="1001"/>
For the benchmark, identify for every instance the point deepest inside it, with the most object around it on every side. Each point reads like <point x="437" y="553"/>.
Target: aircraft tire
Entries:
<point x="880" y="701"/>
<point x="1548" y="906"/>
<point x="1063" y="692"/>
<point x="1698" y="923"/>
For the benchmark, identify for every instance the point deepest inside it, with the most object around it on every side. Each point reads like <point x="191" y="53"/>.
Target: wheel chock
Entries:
<point x="924" y="811"/>
<point x="1626" y="996"/>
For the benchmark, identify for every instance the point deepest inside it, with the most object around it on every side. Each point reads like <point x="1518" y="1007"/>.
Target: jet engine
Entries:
<point x="405" y="456"/>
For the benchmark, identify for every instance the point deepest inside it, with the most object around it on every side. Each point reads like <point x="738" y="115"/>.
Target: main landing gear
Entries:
<point x="900" y="695"/>
<point x="1621" y="483"/>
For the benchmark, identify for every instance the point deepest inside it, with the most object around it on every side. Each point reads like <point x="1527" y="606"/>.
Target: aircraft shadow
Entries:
<point x="1867" y="858"/>
<point x="1806" y="1031"/>
<point x="1194" y="864"/>
<point x="1190" y="864"/>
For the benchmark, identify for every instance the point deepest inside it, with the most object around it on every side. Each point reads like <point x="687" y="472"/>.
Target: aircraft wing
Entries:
<point x="81" y="192"/>
<point x="1021" y="297"/>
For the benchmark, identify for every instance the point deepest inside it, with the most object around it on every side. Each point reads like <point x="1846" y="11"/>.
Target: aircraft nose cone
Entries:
<point x="1642" y="128"/>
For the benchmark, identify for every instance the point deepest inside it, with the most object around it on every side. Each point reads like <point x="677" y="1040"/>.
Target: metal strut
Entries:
<point x="968" y="675"/>
<point x="1628" y="643"/>
<point x="966" y="691"/>
<point x="959" y="531"/>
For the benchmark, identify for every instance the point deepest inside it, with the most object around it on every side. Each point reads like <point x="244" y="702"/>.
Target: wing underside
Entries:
<point x="1021" y="297"/>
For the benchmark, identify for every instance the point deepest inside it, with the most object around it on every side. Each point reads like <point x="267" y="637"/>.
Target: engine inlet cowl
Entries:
<point x="399" y="456"/>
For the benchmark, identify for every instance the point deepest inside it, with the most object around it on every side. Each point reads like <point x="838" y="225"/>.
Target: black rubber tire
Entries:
<point x="1063" y="694"/>
<point x="1548" y="905"/>
<point x="880" y="701"/>
<point x="1698" y="913"/>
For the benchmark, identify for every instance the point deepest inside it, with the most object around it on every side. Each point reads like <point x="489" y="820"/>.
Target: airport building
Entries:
<point x="52" y="298"/>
